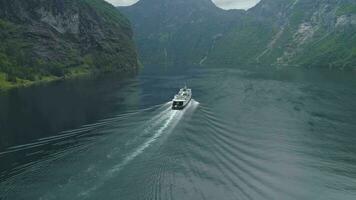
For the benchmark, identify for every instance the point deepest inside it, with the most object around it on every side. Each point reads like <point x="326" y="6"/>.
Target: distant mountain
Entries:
<point x="48" y="39"/>
<point x="177" y="31"/>
<point x="310" y="33"/>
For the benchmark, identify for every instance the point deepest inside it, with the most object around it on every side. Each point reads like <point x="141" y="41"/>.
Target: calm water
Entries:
<point x="246" y="135"/>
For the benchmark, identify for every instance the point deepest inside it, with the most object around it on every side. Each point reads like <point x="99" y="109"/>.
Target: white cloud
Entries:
<point x="122" y="2"/>
<point x="225" y="4"/>
<point x="236" y="4"/>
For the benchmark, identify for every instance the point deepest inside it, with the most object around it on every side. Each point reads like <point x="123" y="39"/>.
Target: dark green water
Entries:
<point x="247" y="135"/>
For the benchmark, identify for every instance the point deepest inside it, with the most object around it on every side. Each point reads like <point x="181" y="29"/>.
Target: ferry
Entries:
<point x="182" y="99"/>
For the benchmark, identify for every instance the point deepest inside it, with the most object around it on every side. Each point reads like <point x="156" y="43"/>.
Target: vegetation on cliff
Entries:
<point x="307" y="33"/>
<point x="53" y="39"/>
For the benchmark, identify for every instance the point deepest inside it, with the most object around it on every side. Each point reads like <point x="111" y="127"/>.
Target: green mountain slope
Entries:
<point x="308" y="33"/>
<point x="177" y="31"/>
<point x="51" y="39"/>
<point x="296" y="33"/>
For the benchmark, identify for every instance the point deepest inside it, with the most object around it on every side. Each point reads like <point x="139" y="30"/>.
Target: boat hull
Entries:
<point x="180" y="106"/>
<point x="182" y="99"/>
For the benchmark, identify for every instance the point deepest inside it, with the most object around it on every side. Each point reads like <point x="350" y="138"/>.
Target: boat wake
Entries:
<point x="112" y="144"/>
<point x="166" y="122"/>
<point x="163" y="123"/>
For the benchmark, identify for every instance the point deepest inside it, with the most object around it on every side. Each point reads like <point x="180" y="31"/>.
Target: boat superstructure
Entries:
<point x="182" y="99"/>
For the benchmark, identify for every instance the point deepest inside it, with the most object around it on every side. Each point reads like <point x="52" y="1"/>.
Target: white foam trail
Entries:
<point x="174" y="116"/>
<point x="170" y="118"/>
<point x="145" y="145"/>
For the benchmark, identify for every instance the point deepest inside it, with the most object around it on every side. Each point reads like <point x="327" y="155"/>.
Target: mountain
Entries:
<point x="309" y="33"/>
<point x="177" y="31"/>
<point x="51" y="39"/>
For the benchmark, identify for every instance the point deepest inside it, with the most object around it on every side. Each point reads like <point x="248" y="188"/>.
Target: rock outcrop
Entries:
<point x="46" y="39"/>
<point x="308" y="33"/>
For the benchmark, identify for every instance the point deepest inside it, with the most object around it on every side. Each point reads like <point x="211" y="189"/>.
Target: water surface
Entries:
<point x="286" y="134"/>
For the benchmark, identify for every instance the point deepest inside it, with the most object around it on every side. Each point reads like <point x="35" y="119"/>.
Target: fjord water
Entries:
<point x="280" y="134"/>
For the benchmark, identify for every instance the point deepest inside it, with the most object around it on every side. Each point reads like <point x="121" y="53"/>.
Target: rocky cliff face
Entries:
<point x="55" y="38"/>
<point x="177" y="31"/>
<point x="310" y="33"/>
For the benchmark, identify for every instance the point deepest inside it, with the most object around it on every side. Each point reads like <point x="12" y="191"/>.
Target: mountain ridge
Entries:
<point x="161" y="26"/>
<point x="307" y="33"/>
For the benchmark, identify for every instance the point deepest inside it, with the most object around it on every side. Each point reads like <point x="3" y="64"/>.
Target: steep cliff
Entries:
<point x="48" y="39"/>
<point x="179" y="31"/>
<point x="309" y="33"/>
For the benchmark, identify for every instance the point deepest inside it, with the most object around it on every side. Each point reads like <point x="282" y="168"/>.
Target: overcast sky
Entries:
<point x="225" y="4"/>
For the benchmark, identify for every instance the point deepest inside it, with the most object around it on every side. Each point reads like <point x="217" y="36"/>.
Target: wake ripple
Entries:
<point x="163" y="123"/>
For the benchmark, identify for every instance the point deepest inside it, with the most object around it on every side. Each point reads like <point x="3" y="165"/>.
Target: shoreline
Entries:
<point x="50" y="79"/>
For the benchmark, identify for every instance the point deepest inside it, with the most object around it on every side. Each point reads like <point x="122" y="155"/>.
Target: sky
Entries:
<point x="225" y="4"/>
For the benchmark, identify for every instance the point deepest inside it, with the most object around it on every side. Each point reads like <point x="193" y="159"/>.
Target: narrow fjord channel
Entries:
<point x="246" y="135"/>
